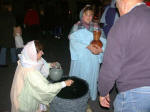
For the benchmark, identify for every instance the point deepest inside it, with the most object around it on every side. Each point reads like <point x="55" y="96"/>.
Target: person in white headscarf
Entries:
<point x="30" y="88"/>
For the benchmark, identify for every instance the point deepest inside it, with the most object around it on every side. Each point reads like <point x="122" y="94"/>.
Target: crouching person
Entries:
<point x="30" y="88"/>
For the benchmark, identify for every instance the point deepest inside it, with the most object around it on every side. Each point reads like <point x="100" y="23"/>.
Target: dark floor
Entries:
<point x="55" y="50"/>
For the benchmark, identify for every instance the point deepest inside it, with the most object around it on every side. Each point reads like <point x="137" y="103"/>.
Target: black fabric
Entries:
<point x="7" y="23"/>
<point x="78" y="89"/>
<point x="110" y="18"/>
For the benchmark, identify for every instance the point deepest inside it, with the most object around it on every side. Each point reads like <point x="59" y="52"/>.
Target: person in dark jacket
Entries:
<point x="7" y="42"/>
<point x="109" y="17"/>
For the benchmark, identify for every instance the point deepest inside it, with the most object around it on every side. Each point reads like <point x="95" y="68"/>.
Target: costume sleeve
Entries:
<point x="77" y="46"/>
<point x="41" y="89"/>
<point x="112" y="62"/>
<point x="103" y="40"/>
<point x="45" y="68"/>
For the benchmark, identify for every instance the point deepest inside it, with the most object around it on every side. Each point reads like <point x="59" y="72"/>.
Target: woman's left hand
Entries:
<point x="95" y="49"/>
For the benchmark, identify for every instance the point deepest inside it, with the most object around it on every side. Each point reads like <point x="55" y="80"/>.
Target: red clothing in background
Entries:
<point x="31" y="18"/>
<point x="147" y="3"/>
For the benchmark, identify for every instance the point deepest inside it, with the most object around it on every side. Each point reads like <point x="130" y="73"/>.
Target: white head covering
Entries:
<point x="28" y="56"/>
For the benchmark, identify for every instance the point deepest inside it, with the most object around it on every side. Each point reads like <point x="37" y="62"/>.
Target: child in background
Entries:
<point x="18" y="39"/>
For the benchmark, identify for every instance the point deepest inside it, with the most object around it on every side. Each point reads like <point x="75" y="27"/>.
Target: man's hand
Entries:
<point x="105" y="101"/>
<point x="95" y="49"/>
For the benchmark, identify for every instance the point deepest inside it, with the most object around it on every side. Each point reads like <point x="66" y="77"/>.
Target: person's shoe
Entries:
<point x="89" y="109"/>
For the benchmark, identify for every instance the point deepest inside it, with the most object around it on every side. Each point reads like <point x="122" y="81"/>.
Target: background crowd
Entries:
<point x="43" y="19"/>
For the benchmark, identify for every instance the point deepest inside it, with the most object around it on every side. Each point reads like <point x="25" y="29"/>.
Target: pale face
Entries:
<point x="39" y="55"/>
<point x="87" y="16"/>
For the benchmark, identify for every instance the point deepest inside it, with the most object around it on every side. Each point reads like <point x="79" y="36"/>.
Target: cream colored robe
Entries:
<point x="29" y="89"/>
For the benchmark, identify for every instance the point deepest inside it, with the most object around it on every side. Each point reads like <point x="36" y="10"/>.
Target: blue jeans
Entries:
<point x="134" y="100"/>
<point x="3" y="55"/>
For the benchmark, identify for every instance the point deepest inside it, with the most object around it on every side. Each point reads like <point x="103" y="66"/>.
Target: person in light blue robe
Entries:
<point x="85" y="64"/>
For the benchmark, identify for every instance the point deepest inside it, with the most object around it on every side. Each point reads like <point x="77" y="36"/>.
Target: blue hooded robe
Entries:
<point x="85" y="64"/>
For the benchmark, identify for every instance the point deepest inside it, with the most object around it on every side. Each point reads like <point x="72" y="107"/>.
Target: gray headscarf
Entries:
<point x="81" y="24"/>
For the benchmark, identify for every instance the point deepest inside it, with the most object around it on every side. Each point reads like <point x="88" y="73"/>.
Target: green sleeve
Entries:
<point x="41" y="89"/>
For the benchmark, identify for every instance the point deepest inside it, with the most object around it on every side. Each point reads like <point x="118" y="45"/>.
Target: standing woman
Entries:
<point x="85" y="58"/>
<point x="30" y="88"/>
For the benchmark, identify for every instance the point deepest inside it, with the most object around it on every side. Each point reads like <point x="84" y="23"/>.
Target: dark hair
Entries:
<point x="38" y="46"/>
<point x="88" y="8"/>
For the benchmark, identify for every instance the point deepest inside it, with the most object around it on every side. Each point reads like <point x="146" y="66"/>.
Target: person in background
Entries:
<point x="31" y="17"/>
<point x="42" y="21"/>
<point x="32" y="23"/>
<point x="7" y="41"/>
<point x="18" y="39"/>
<point x="85" y="57"/>
<point x="126" y="59"/>
<point x="147" y="2"/>
<point x="58" y="15"/>
<point x="30" y="88"/>
<point x="109" y="17"/>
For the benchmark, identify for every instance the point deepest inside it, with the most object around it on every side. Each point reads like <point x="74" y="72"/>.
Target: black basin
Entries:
<point x="78" y="89"/>
<point x="73" y="98"/>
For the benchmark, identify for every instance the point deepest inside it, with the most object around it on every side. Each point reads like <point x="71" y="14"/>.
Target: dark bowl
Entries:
<point x="78" y="89"/>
